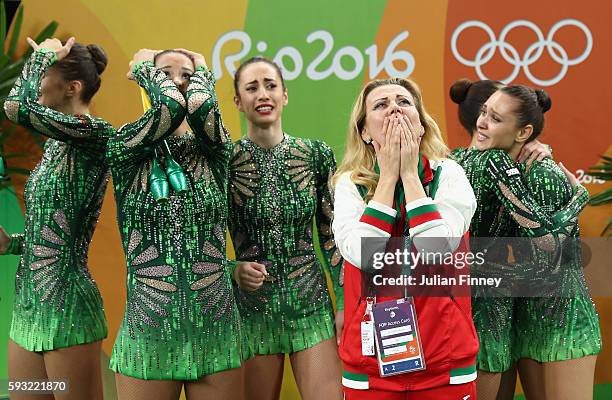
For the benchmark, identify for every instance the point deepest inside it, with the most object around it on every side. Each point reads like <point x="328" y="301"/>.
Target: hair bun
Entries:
<point x="98" y="56"/>
<point x="459" y="90"/>
<point x="544" y="100"/>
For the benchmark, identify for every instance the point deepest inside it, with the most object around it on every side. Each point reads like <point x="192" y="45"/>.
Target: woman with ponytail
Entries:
<point x="58" y="318"/>
<point x="540" y="202"/>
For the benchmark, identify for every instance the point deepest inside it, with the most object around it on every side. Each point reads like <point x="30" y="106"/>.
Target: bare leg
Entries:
<point x="226" y="385"/>
<point x="140" y="389"/>
<point x="532" y="378"/>
<point x="507" y="384"/>
<point x="317" y="371"/>
<point x="80" y="367"/>
<point x="487" y="385"/>
<point x="571" y="379"/>
<point x="263" y="377"/>
<point x="24" y="365"/>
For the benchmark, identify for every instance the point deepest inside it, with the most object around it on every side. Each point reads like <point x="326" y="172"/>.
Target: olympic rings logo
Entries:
<point x="531" y="55"/>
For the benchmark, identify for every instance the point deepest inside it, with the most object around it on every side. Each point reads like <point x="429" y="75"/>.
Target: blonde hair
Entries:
<point x="360" y="158"/>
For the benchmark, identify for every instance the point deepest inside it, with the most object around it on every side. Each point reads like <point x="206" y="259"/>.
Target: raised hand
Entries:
<point x="139" y="56"/>
<point x="61" y="50"/>
<point x="388" y="154"/>
<point x="410" y="138"/>
<point x="534" y="150"/>
<point x="198" y="59"/>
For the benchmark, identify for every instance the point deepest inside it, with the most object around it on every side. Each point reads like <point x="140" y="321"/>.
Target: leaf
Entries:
<point x="7" y="84"/>
<point x="46" y="33"/>
<point x="602" y="198"/>
<point x="18" y="171"/>
<point x="2" y="25"/>
<point x="6" y="133"/>
<point x="12" y="70"/>
<point x="606" y="158"/>
<point x="16" y="31"/>
<point x="602" y="175"/>
<point x="38" y="138"/>
<point x="608" y="229"/>
<point x="601" y="167"/>
<point x="14" y="155"/>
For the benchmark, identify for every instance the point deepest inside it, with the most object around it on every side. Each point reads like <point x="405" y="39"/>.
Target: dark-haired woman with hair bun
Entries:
<point x="181" y="327"/>
<point x="58" y="318"/>
<point x="543" y="203"/>
<point x="279" y="185"/>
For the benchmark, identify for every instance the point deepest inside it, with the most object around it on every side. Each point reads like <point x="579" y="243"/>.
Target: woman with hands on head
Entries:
<point x="58" y="317"/>
<point x="181" y="325"/>
<point x="279" y="186"/>
<point x="395" y="180"/>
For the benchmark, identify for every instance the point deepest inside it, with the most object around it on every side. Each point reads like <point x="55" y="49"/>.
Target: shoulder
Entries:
<point x="346" y="191"/>
<point x="447" y="167"/>
<point x="345" y="179"/>
<point x="457" y="153"/>
<point x="546" y="169"/>
<point x="317" y="147"/>
<point x="101" y="125"/>
<point x="344" y="183"/>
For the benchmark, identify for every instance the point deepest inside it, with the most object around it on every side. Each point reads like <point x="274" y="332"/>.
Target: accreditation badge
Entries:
<point x="398" y="344"/>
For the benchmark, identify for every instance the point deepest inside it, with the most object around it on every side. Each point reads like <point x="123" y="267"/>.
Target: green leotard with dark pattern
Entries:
<point x="57" y="303"/>
<point x="181" y="321"/>
<point x="275" y="196"/>
<point x="497" y="183"/>
<point x="564" y="326"/>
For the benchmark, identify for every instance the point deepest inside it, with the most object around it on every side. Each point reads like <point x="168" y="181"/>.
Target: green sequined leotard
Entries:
<point x="565" y="326"/>
<point x="497" y="182"/>
<point x="274" y="196"/>
<point x="57" y="303"/>
<point x="181" y="321"/>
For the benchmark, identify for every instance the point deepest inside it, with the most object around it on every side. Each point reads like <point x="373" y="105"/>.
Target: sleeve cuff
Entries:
<point x="15" y="246"/>
<point x="231" y="265"/>
<point x="379" y="216"/>
<point x="382" y="208"/>
<point x="50" y="53"/>
<point x="421" y="211"/>
<point x="139" y="65"/>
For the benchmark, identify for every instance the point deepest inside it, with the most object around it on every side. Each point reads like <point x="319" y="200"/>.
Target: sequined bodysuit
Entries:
<point x="274" y="196"/>
<point x="181" y="321"/>
<point x="564" y="326"/>
<point x="57" y="303"/>
<point x="498" y="182"/>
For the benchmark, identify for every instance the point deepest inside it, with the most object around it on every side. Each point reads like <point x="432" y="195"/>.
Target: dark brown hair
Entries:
<point x="470" y="96"/>
<point x="532" y="104"/>
<point x="85" y="64"/>
<point x="161" y="53"/>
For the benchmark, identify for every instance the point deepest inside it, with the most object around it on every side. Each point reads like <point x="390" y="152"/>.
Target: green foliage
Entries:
<point x="604" y="172"/>
<point x="10" y="68"/>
